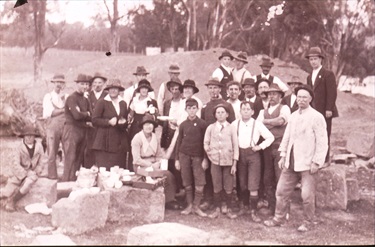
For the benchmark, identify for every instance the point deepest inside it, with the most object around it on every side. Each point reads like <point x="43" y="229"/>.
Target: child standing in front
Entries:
<point x="189" y="157"/>
<point x="221" y="146"/>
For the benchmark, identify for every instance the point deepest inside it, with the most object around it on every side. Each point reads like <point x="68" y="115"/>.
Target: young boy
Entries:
<point x="189" y="157"/>
<point x="221" y="146"/>
<point x="224" y="72"/>
<point x="249" y="131"/>
<point x="26" y="171"/>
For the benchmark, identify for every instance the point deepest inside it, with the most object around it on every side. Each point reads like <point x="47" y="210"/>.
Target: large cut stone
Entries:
<point x="362" y="144"/>
<point x="43" y="190"/>
<point x="167" y="234"/>
<point x="54" y="239"/>
<point x="331" y="187"/>
<point x="133" y="204"/>
<point x="353" y="189"/>
<point x="86" y="212"/>
<point x="64" y="188"/>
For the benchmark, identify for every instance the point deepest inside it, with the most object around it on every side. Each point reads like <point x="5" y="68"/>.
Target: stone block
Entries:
<point x="133" y="204"/>
<point x="51" y="240"/>
<point x="366" y="178"/>
<point x="343" y="158"/>
<point x="86" y="212"/>
<point x="64" y="188"/>
<point x="353" y="189"/>
<point x="361" y="144"/>
<point x="331" y="188"/>
<point x="167" y="234"/>
<point x="43" y="190"/>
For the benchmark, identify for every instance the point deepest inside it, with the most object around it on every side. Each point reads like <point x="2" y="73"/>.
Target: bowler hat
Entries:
<point x="98" y="75"/>
<point x="213" y="81"/>
<point x="220" y="105"/>
<point x="58" y="78"/>
<point x="174" y="82"/>
<point x="249" y="81"/>
<point x="314" y="52"/>
<point x="29" y="130"/>
<point x="226" y="53"/>
<point x="305" y="87"/>
<point x="241" y="56"/>
<point x="295" y="80"/>
<point x="83" y="78"/>
<point x="141" y="71"/>
<point x="190" y="83"/>
<point x="230" y="83"/>
<point x="144" y="83"/>
<point x="148" y="118"/>
<point x="266" y="62"/>
<point x="274" y="88"/>
<point x="174" y="68"/>
<point x="114" y="83"/>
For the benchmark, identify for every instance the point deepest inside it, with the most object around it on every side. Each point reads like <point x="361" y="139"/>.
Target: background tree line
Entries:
<point x="280" y="29"/>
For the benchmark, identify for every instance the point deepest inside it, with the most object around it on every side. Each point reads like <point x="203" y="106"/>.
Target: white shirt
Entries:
<point x="314" y="74"/>
<point x="293" y="98"/>
<point x="97" y="94"/>
<point x="128" y="93"/>
<point x="139" y="106"/>
<point x="176" y="111"/>
<point x="218" y="73"/>
<point x="244" y="133"/>
<point x="241" y="75"/>
<point x="236" y="107"/>
<point x="284" y="113"/>
<point x="277" y="80"/>
<point x="52" y="101"/>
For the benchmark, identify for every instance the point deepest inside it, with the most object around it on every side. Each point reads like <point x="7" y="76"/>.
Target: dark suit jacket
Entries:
<point x="286" y="101"/>
<point x="109" y="138"/>
<point x="93" y="99"/>
<point x="325" y="91"/>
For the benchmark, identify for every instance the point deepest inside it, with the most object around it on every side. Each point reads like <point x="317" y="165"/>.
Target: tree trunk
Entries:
<point x="188" y="25"/>
<point x="194" y="24"/>
<point x="39" y="13"/>
<point x="215" y="25"/>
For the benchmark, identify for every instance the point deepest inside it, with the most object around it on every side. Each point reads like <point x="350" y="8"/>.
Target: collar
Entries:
<point x="272" y="108"/>
<point x="265" y="76"/>
<point x="219" y="124"/>
<point x="304" y="110"/>
<point x="318" y="69"/>
<point x="229" y="69"/>
<point x="248" y="121"/>
<point x="153" y="144"/>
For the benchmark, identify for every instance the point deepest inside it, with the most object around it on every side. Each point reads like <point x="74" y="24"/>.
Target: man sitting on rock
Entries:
<point x="25" y="171"/>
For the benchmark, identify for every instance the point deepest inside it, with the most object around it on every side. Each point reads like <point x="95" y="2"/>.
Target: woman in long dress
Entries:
<point x="111" y="142"/>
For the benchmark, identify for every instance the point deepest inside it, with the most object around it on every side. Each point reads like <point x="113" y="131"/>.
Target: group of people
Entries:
<point x="246" y="148"/>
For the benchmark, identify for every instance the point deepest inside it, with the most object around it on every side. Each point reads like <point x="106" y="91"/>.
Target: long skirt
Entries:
<point x="108" y="160"/>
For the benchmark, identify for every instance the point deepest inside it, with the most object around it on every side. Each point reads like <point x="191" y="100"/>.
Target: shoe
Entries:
<point x="255" y="217"/>
<point x="262" y="204"/>
<point x="272" y="223"/>
<point x="244" y="210"/>
<point x="224" y="209"/>
<point x="231" y="215"/>
<point x="188" y="210"/>
<point x="215" y="214"/>
<point x="199" y="212"/>
<point x="205" y="205"/>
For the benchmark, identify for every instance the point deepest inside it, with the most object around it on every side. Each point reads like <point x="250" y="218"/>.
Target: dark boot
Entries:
<point x="253" y="209"/>
<point x="11" y="204"/>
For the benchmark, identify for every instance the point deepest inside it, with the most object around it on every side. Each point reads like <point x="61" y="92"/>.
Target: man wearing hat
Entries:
<point x="323" y="82"/>
<point x="163" y="93"/>
<point x="250" y="94"/>
<point x="240" y="73"/>
<point x="290" y="100"/>
<point x="78" y="119"/>
<point x="303" y="149"/>
<point x="266" y="67"/>
<point x="224" y="72"/>
<point x="214" y="88"/>
<point x="140" y="74"/>
<point x="275" y="118"/>
<point x="175" y="109"/>
<point x="97" y="92"/>
<point x="25" y="170"/>
<point x="53" y="113"/>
